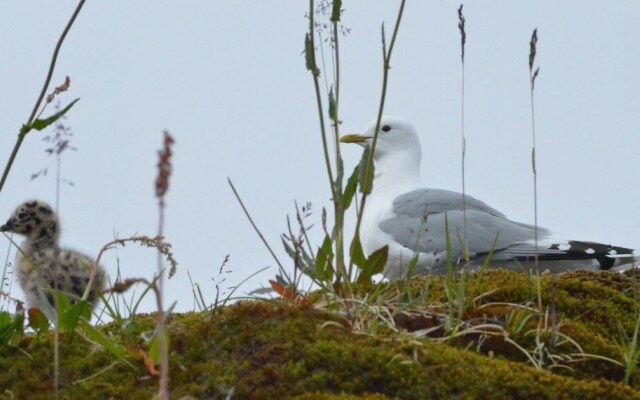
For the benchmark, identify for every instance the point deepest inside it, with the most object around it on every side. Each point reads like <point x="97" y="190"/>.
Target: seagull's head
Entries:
<point x="396" y="138"/>
<point x="33" y="219"/>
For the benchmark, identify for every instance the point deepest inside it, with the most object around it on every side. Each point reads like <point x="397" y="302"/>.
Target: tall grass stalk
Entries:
<point x="255" y="227"/>
<point x="162" y="185"/>
<point x="368" y="174"/>
<point x="334" y="103"/>
<point x="533" y="74"/>
<point x="463" y="41"/>
<point x="335" y="183"/>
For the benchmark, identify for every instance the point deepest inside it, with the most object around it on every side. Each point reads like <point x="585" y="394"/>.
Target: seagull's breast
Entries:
<point x="379" y="207"/>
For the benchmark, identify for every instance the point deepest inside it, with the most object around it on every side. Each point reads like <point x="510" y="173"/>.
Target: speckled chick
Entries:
<point x="43" y="261"/>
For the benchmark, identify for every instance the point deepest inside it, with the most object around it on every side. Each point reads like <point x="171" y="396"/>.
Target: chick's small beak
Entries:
<point x="354" y="138"/>
<point x="6" y="227"/>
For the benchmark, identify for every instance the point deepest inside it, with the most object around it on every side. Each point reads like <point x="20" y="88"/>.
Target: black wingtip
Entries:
<point x="602" y="253"/>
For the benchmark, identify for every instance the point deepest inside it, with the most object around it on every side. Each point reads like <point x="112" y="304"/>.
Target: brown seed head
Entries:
<point x="164" y="166"/>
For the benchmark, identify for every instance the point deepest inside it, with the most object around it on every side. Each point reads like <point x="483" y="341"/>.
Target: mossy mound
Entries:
<point x="273" y="350"/>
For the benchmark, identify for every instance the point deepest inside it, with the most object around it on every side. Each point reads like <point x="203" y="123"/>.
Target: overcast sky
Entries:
<point x="228" y="80"/>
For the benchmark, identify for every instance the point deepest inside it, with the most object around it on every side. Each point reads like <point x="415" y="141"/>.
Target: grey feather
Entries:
<point x="419" y="225"/>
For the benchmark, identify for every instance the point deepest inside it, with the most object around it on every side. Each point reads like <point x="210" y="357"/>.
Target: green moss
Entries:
<point x="266" y="350"/>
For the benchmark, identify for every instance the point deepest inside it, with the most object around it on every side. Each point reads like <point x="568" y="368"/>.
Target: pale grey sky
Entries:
<point x="228" y="80"/>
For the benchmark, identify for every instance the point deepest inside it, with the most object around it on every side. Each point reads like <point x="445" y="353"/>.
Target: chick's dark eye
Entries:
<point x="386" y="128"/>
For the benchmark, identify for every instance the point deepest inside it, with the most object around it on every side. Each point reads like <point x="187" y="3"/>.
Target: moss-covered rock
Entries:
<point x="273" y="350"/>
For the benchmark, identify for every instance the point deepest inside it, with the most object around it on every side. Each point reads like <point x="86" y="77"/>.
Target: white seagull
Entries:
<point x="401" y="213"/>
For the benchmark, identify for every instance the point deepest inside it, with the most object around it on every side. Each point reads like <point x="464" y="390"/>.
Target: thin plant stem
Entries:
<point x="532" y="78"/>
<point x="235" y="192"/>
<point x="338" y="202"/>
<point x="56" y="335"/>
<point x="57" y="182"/>
<point x="303" y="229"/>
<point x="56" y="360"/>
<point x="336" y="64"/>
<point x="47" y="81"/>
<point x="385" y="79"/>
<point x="336" y="184"/>
<point x="4" y="270"/>
<point x="315" y="73"/>
<point x="326" y="80"/>
<point x="161" y="187"/>
<point x="161" y="329"/>
<point x="463" y="39"/>
<point x="535" y="178"/>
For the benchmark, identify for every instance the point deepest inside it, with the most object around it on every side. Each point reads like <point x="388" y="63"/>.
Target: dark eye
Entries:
<point x="386" y="128"/>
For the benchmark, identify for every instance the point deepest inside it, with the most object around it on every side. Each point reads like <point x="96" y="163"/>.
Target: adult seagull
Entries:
<point x="401" y="213"/>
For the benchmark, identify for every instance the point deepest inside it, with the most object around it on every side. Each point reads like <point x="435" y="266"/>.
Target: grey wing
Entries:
<point x="419" y="224"/>
<point x="435" y="201"/>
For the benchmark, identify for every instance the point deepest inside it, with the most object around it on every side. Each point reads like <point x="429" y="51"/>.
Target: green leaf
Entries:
<point x="350" y="189"/>
<point x="103" y="341"/>
<point x="41" y="124"/>
<point x="288" y="249"/>
<point x="335" y="12"/>
<point x="308" y="265"/>
<point x="308" y="55"/>
<point x="18" y="327"/>
<point x="24" y="129"/>
<point x="304" y="259"/>
<point x="69" y="315"/>
<point x="487" y="260"/>
<point x="413" y="263"/>
<point x="356" y="253"/>
<point x="5" y="318"/>
<point x="62" y="302"/>
<point x="333" y="111"/>
<point x="339" y="172"/>
<point x="377" y="260"/>
<point x="374" y="264"/>
<point x="449" y="248"/>
<point x="6" y="327"/>
<point x="43" y="303"/>
<point x="154" y="348"/>
<point x="6" y="332"/>
<point x="324" y="261"/>
<point x="11" y="327"/>
<point x="366" y="182"/>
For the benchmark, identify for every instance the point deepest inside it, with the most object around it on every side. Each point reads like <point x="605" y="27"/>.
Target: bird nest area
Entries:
<point x="493" y="334"/>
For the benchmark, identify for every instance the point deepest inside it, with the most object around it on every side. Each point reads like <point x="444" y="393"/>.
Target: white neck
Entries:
<point x="397" y="173"/>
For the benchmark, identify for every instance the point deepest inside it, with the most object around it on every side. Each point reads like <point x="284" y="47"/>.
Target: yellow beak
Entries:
<point x="354" y="138"/>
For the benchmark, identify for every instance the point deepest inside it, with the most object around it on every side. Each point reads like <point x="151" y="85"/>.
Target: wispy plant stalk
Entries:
<point x="533" y="74"/>
<point x="255" y="227"/>
<point x="463" y="41"/>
